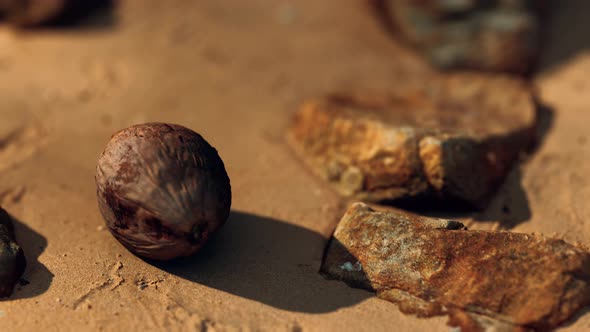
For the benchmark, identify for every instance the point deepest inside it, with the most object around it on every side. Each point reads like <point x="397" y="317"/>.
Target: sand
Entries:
<point x="234" y="71"/>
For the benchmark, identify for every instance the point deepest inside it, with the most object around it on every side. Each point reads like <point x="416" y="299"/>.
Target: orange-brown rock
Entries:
<point x="480" y="278"/>
<point x="452" y="137"/>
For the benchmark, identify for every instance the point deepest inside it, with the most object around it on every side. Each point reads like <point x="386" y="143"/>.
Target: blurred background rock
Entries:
<point x="494" y="35"/>
<point x="30" y="13"/>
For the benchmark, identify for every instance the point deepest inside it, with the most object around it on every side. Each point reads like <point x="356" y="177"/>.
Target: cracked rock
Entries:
<point x="481" y="279"/>
<point x="450" y="137"/>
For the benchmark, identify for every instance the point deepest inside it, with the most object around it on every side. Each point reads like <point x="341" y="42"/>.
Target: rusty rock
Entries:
<point x="480" y="278"/>
<point x="12" y="258"/>
<point x="453" y="137"/>
<point x="479" y="34"/>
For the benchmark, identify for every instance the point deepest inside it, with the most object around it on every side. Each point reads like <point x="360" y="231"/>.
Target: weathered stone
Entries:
<point x="12" y="258"/>
<point x="481" y="34"/>
<point x="434" y="267"/>
<point x="451" y="137"/>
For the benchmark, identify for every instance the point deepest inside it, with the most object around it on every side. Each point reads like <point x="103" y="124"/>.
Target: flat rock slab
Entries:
<point x="477" y="34"/>
<point x="12" y="258"/>
<point x="449" y="137"/>
<point x="480" y="279"/>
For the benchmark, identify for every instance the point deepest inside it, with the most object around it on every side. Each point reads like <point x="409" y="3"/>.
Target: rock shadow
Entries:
<point x="564" y="37"/>
<point x="268" y="261"/>
<point x="37" y="278"/>
<point x="509" y="206"/>
<point x="574" y="320"/>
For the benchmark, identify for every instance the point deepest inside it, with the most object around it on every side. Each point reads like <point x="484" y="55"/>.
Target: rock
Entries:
<point x="12" y="258"/>
<point x="479" y="278"/>
<point x="32" y="13"/>
<point x="479" y="34"/>
<point x="449" y="137"/>
<point x="162" y="189"/>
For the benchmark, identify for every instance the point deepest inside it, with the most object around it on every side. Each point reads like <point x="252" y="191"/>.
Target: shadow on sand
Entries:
<point x="37" y="278"/>
<point x="269" y="261"/>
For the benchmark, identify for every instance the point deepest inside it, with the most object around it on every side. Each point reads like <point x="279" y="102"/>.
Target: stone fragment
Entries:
<point x="12" y="258"/>
<point x="451" y="137"/>
<point x="502" y="35"/>
<point x="480" y="279"/>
